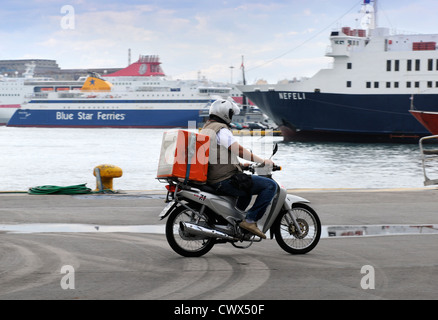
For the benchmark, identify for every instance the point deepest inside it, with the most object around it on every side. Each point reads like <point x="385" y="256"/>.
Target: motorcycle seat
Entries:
<point x="207" y="188"/>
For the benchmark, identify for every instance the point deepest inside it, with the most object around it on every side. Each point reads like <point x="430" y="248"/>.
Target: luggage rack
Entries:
<point x="428" y="155"/>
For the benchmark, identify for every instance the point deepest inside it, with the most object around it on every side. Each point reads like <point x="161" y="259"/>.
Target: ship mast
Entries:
<point x="244" y="101"/>
<point x="375" y="14"/>
<point x="369" y="20"/>
<point x="243" y="71"/>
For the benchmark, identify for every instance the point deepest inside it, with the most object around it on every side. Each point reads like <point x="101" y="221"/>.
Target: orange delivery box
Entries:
<point x="184" y="155"/>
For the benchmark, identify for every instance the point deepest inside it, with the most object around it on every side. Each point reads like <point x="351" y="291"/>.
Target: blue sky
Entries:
<point x="279" y="39"/>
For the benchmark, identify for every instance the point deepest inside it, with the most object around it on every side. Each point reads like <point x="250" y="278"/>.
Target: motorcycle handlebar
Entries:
<point x="251" y="167"/>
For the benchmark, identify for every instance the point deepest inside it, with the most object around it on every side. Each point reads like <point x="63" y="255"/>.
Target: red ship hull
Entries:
<point x="428" y="119"/>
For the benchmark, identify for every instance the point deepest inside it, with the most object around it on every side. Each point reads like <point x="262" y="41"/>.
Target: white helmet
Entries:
<point x="224" y="109"/>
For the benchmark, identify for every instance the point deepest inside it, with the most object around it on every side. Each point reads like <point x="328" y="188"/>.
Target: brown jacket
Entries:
<point x="222" y="163"/>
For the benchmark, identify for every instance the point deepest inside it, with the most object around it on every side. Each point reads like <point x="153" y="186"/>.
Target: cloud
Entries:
<point x="307" y="12"/>
<point x="189" y="35"/>
<point x="206" y="37"/>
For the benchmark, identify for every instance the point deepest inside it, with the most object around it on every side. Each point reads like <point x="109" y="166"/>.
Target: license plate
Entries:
<point x="166" y="208"/>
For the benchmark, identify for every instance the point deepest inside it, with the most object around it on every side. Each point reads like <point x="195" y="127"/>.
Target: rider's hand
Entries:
<point x="268" y="162"/>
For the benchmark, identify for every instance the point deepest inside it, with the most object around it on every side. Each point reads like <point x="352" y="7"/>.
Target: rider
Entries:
<point x="225" y="170"/>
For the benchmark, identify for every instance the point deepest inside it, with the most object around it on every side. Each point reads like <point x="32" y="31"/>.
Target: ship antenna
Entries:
<point x="375" y="14"/>
<point x="244" y="101"/>
<point x="243" y="71"/>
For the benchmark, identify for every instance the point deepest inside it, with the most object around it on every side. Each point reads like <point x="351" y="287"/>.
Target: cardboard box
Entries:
<point x="184" y="155"/>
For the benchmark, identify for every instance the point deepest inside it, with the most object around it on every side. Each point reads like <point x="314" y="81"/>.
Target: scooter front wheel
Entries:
<point x="182" y="243"/>
<point x="298" y="241"/>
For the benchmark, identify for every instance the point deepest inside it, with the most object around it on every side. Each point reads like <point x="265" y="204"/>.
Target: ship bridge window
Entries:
<point x="430" y="64"/>
<point x="396" y="65"/>
<point x="349" y="66"/>
<point x="409" y="65"/>
<point x="376" y="84"/>
<point x="417" y="65"/>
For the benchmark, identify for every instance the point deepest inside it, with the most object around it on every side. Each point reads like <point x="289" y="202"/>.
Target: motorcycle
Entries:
<point x="199" y="217"/>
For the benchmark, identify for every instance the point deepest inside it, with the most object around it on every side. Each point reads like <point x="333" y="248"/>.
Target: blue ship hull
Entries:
<point x="69" y="118"/>
<point x="347" y="117"/>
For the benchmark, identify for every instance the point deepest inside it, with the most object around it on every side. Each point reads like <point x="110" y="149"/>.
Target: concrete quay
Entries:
<point x="91" y="264"/>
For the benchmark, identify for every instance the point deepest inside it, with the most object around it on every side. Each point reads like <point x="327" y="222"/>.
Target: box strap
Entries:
<point x="191" y="150"/>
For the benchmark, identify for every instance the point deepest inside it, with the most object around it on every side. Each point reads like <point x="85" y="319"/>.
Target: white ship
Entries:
<point x="139" y="96"/>
<point x="14" y="90"/>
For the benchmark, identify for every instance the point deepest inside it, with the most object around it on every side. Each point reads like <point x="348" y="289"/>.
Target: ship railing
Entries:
<point x="429" y="156"/>
<point x="154" y="89"/>
<point x="69" y="95"/>
<point x="214" y="90"/>
<point x="37" y="95"/>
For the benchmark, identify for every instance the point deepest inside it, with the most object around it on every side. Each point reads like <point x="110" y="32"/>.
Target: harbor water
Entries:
<point x="63" y="157"/>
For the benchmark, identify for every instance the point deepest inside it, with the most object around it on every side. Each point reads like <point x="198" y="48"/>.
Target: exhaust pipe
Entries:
<point x="195" y="229"/>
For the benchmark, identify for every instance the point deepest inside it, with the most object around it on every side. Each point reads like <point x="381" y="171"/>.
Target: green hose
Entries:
<point x="76" y="189"/>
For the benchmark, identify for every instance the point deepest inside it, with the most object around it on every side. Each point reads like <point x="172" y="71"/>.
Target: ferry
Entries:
<point x="366" y="94"/>
<point x="11" y="96"/>
<point x="13" y="90"/>
<point x="139" y="96"/>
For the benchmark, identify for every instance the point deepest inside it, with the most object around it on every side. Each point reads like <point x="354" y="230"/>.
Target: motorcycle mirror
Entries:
<point x="275" y="149"/>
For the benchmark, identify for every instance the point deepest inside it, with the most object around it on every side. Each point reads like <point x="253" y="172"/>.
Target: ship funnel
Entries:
<point x="96" y="83"/>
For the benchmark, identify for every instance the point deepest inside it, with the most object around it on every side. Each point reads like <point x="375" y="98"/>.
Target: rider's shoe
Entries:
<point x="252" y="227"/>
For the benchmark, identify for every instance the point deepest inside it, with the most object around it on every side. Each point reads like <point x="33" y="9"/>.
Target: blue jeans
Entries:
<point x="264" y="188"/>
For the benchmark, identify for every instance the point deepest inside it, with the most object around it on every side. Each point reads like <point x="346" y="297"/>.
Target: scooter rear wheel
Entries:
<point x="292" y="241"/>
<point x="182" y="243"/>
